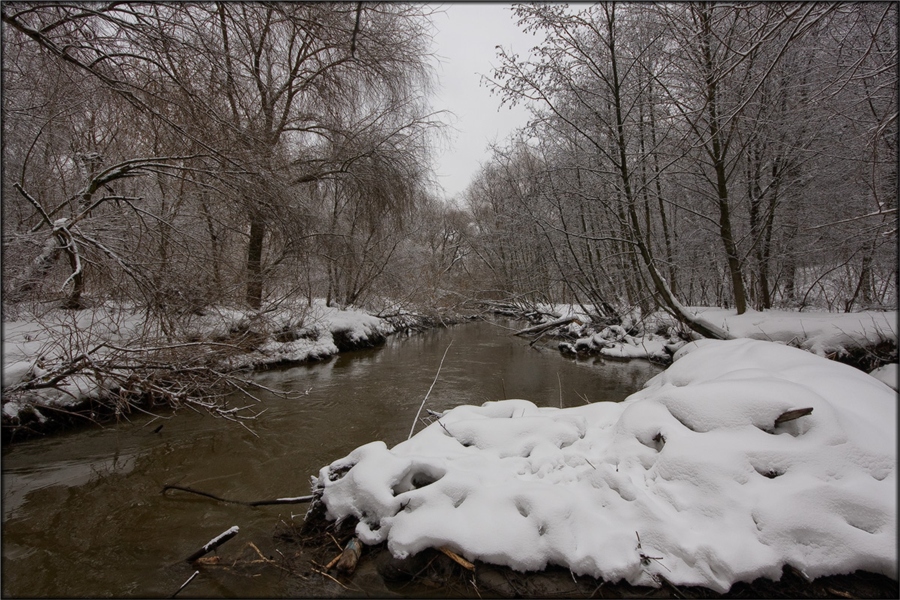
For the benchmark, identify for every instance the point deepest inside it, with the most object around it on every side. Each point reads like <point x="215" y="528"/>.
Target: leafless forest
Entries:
<point x="173" y="156"/>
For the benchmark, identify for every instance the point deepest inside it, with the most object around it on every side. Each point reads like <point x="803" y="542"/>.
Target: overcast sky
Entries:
<point x="465" y="43"/>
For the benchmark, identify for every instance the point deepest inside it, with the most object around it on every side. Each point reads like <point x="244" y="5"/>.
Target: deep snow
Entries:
<point x="694" y="466"/>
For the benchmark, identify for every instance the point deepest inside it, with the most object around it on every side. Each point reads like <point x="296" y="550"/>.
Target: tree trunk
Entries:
<point x="662" y="289"/>
<point x="718" y="157"/>
<point x="74" y="300"/>
<point x="254" y="263"/>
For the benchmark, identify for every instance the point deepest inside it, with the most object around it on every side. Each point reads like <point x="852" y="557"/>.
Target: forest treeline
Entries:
<point x="740" y="155"/>
<point x="177" y="155"/>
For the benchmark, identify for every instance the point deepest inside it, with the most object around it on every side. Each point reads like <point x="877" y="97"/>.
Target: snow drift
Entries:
<point x="690" y="479"/>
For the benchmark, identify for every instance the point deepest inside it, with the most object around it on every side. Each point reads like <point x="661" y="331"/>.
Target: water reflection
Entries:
<point x="84" y="516"/>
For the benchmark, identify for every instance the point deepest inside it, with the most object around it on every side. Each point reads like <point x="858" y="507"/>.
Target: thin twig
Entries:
<point x="559" y="381"/>
<point x="184" y="585"/>
<point x="323" y="573"/>
<point x="436" y="375"/>
<point x="295" y="500"/>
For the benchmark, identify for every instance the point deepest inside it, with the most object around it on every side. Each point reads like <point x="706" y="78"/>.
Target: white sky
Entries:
<point x="465" y="44"/>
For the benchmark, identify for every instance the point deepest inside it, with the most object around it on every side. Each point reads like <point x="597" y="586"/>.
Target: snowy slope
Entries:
<point x="693" y="464"/>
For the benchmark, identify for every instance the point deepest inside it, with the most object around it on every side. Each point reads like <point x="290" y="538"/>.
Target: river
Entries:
<point x="83" y="513"/>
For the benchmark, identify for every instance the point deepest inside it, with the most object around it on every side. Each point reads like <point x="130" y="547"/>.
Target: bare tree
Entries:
<point x="263" y="90"/>
<point x="668" y="130"/>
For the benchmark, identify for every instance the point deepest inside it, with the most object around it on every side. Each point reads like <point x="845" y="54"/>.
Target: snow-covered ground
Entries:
<point x="819" y="332"/>
<point x="698" y="478"/>
<point x="822" y="333"/>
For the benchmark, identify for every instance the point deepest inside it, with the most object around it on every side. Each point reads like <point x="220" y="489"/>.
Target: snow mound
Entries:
<point x="888" y="374"/>
<point x="694" y="465"/>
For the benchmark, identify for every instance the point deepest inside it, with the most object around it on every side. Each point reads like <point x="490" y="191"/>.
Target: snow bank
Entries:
<point x="312" y="333"/>
<point x="34" y="345"/>
<point x="656" y="336"/>
<point x="819" y="332"/>
<point x="614" y="342"/>
<point x="694" y="464"/>
<point x="888" y="374"/>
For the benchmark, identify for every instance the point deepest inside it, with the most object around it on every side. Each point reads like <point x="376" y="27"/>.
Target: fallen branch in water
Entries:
<point x="543" y="327"/>
<point x="213" y="544"/>
<point x="294" y="500"/>
<point x="436" y="375"/>
<point x="184" y="585"/>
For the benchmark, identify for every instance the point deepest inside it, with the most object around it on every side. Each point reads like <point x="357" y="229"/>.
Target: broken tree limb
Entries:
<point x="792" y="414"/>
<point x="293" y="500"/>
<point x="425" y="399"/>
<point x="536" y="329"/>
<point x="457" y="559"/>
<point x="214" y="543"/>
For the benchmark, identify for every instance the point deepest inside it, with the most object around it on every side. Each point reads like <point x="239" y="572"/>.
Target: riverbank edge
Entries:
<point x="39" y="418"/>
<point x="435" y="568"/>
<point x="657" y="337"/>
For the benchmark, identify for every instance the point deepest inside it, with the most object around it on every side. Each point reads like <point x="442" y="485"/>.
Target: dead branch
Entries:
<point x="184" y="585"/>
<point x="792" y="414"/>
<point x="214" y="543"/>
<point x="543" y="327"/>
<point x="295" y="500"/>
<point x="457" y="559"/>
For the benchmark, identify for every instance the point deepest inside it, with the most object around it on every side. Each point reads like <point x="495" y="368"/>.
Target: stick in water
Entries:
<point x="213" y="543"/>
<point x="184" y="585"/>
<point x="560" y="388"/>
<point x="436" y="375"/>
<point x="295" y="500"/>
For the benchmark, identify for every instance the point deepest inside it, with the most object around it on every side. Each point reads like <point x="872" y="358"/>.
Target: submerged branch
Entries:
<point x="436" y="375"/>
<point x="294" y="500"/>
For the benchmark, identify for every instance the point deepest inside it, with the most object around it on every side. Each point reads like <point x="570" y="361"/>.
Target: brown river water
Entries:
<point x="83" y="513"/>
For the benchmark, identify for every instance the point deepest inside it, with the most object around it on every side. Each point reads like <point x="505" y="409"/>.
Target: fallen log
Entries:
<point x="214" y="543"/>
<point x="536" y="329"/>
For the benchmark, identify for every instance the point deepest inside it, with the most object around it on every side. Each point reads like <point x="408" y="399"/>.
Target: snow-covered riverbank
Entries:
<point x="656" y="337"/>
<point x="702" y="478"/>
<point x="39" y="348"/>
<point x="42" y="348"/>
